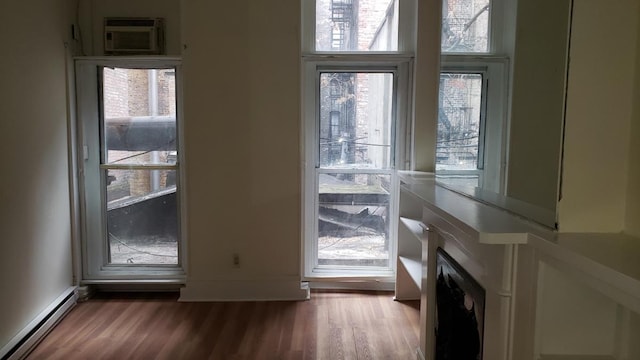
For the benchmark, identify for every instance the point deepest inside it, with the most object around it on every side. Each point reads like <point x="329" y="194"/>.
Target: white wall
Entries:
<point x="242" y="130"/>
<point x="35" y="260"/>
<point x="599" y="109"/>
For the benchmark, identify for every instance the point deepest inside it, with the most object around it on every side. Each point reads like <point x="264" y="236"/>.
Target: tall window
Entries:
<point x="128" y="117"/>
<point x="355" y="103"/>
<point x="471" y="97"/>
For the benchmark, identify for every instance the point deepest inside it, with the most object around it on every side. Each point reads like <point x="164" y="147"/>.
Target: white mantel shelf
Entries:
<point x="486" y="223"/>
<point x="608" y="262"/>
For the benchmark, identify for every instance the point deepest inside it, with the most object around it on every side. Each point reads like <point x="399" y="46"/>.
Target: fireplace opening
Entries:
<point x="460" y="311"/>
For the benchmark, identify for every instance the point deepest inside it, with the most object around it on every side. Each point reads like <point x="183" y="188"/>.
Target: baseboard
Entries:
<point x="21" y="344"/>
<point x="245" y="290"/>
<point x="352" y="285"/>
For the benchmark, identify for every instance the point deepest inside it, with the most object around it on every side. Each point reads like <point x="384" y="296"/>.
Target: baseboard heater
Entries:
<point x="21" y="344"/>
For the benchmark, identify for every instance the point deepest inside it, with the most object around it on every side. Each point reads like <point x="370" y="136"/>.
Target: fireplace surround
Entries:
<point x="537" y="283"/>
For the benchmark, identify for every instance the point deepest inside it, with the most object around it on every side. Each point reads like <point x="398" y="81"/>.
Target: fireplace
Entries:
<point x="459" y="312"/>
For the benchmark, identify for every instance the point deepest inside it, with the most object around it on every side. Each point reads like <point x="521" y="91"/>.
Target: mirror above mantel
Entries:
<point x="514" y="163"/>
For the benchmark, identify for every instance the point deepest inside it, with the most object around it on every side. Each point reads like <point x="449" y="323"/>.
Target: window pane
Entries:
<point x="356" y="120"/>
<point x="353" y="226"/>
<point x="356" y="25"/>
<point x="139" y="116"/>
<point x="142" y="221"/>
<point x="459" y="122"/>
<point x="465" y="26"/>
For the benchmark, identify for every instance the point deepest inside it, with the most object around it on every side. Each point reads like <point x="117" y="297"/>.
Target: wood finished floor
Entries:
<point x="332" y="325"/>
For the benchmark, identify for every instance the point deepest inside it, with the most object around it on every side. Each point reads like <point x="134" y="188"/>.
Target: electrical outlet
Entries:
<point x="236" y="260"/>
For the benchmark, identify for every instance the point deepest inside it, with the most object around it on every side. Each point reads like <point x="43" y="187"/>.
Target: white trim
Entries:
<point x="401" y="63"/>
<point x="21" y="344"/>
<point x="308" y="28"/>
<point x="407" y="20"/>
<point x="381" y="284"/>
<point x="407" y="24"/>
<point x="138" y="167"/>
<point x="138" y="62"/>
<point x="89" y="169"/>
<point x="181" y="179"/>
<point x="150" y="281"/>
<point x="74" y="181"/>
<point x="270" y="289"/>
<point x="494" y="113"/>
<point x="310" y="88"/>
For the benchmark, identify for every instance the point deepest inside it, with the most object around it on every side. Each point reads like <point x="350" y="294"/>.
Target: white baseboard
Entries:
<point x="245" y="290"/>
<point x="21" y="344"/>
<point x="352" y="285"/>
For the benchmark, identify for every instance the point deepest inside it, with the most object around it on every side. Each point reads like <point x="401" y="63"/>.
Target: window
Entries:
<point x="129" y="128"/>
<point x="356" y="25"/>
<point x="459" y="156"/>
<point x="355" y="106"/>
<point x="465" y="26"/>
<point x="354" y="182"/>
<point x="472" y="100"/>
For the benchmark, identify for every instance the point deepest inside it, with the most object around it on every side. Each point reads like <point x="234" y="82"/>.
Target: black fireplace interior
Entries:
<point x="460" y="312"/>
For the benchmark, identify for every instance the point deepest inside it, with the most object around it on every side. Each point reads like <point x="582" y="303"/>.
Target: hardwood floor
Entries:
<point x="332" y="325"/>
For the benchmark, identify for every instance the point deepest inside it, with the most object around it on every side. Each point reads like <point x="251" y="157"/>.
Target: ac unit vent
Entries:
<point x="133" y="36"/>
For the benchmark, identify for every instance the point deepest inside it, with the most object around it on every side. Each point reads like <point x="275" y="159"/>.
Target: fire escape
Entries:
<point x="342" y="118"/>
<point x="342" y="16"/>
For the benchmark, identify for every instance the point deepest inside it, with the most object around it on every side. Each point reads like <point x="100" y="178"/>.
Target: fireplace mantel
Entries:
<point x="526" y="270"/>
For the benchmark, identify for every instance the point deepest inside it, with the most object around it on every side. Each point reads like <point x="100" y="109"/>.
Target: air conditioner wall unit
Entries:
<point x="134" y="36"/>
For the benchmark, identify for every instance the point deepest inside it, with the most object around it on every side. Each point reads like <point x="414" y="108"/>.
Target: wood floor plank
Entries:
<point x="331" y="325"/>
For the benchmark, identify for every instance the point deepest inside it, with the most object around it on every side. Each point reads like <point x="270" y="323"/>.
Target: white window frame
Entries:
<point x="312" y="67"/>
<point x="95" y="267"/>
<point x="496" y="67"/>
<point x="493" y="132"/>
<point x="401" y="61"/>
<point x="406" y="30"/>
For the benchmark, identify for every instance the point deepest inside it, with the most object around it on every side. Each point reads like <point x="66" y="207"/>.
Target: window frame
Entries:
<point x="496" y="103"/>
<point x="406" y="31"/>
<point x="312" y="68"/>
<point x="92" y="190"/>
<point x="501" y="31"/>
<point x="493" y="126"/>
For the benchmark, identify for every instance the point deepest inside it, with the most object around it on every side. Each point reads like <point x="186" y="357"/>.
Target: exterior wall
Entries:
<point x="116" y="101"/>
<point x="371" y="13"/>
<point x="35" y="223"/>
